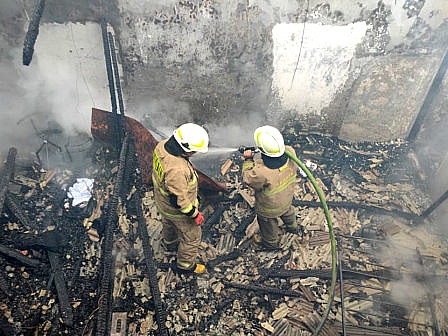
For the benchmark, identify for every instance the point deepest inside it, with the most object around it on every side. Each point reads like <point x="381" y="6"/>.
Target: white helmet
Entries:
<point x="270" y="141"/>
<point x="192" y="138"/>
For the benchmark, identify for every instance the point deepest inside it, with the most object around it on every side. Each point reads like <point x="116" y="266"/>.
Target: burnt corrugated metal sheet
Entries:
<point x="102" y="128"/>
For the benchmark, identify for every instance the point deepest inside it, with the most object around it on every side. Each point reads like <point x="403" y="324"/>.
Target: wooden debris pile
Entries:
<point x="246" y="291"/>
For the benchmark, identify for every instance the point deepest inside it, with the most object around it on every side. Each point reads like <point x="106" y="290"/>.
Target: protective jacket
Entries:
<point x="175" y="184"/>
<point x="274" y="188"/>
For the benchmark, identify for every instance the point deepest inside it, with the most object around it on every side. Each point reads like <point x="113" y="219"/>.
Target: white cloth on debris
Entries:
<point x="81" y="191"/>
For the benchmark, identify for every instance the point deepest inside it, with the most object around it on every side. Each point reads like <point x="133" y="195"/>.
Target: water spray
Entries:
<point x="241" y="149"/>
<point x="221" y="150"/>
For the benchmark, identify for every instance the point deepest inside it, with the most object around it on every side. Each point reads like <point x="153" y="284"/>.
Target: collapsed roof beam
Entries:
<point x="31" y="34"/>
<point x="430" y="96"/>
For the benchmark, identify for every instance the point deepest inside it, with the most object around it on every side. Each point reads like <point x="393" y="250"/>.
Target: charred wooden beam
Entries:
<point x="352" y="205"/>
<point x="326" y="274"/>
<point x="13" y="206"/>
<point x="121" y="119"/>
<point x="148" y="252"/>
<point x="110" y="77"/>
<point x="61" y="289"/>
<point x="151" y="269"/>
<point x="278" y="265"/>
<point x="225" y="257"/>
<point x="4" y="286"/>
<point x="7" y="174"/>
<point x="433" y="91"/>
<point x="14" y="254"/>
<point x="263" y="289"/>
<point x="31" y="34"/>
<point x="47" y="240"/>
<point x="232" y="255"/>
<point x="104" y="305"/>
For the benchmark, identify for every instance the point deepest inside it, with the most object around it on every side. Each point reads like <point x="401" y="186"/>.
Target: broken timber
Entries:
<point x="61" y="289"/>
<point x="7" y="175"/>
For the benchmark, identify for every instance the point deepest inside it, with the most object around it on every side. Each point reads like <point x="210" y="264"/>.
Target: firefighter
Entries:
<point x="272" y="177"/>
<point x="176" y="194"/>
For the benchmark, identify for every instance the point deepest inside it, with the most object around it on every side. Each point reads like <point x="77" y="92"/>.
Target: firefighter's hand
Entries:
<point x="248" y="154"/>
<point x="199" y="219"/>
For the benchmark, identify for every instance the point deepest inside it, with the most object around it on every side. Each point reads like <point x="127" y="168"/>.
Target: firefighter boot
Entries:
<point x="195" y="269"/>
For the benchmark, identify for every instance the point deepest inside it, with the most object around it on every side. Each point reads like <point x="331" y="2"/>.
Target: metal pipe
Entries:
<point x="430" y="95"/>
<point x="434" y="206"/>
<point x="389" y="317"/>
<point x="341" y="286"/>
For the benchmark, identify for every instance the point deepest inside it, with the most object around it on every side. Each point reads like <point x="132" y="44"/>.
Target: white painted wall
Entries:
<point x="68" y="69"/>
<point x="65" y="79"/>
<point x="309" y="85"/>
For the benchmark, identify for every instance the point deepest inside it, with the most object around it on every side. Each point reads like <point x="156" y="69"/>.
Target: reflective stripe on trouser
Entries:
<point x="189" y="235"/>
<point x="269" y="226"/>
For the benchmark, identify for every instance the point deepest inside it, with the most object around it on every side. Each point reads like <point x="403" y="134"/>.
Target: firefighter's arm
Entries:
<point x="251" y="174"/>
<point x="177" y="185"/>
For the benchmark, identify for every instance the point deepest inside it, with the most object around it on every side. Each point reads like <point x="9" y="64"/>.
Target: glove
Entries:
<point x="199" y="219"/>
<point x="248" y="154"/>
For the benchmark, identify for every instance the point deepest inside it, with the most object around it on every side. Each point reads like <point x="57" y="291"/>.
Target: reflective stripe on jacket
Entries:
<point x="175" y="177"/>
<point x="274" y="188"/>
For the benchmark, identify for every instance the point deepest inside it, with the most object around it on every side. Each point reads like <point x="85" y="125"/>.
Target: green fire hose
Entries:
<point x="332" y="240"/>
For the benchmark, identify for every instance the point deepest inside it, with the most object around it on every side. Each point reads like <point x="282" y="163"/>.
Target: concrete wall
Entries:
<point x="246" y="63"/>
<point x="342" y="67"/>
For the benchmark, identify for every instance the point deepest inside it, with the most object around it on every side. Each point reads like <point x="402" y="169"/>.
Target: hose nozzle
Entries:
<point x="245" y="148"/>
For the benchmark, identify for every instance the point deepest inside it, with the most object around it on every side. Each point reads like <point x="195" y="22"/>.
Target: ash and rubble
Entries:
<point x="246" y="291"/>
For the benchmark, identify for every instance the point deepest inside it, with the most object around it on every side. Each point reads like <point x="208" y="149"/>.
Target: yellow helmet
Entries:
<point x="192" y="138"/>
<point x="270" y="141"/>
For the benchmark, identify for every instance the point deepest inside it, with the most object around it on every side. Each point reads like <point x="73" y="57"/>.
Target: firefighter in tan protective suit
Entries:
<point x="272" y="177"/>
<point x="176" y="194"/>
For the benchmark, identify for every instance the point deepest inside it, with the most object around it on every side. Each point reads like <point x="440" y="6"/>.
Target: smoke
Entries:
<point x="161" y="115"/>
<point x="235" y="134"/>
<point x="51" y="99"/>
<point x="417" y="255"/>
<point x="141" y="7"/>
<point x="17" y="104"/>
<point x="9" y="9"/>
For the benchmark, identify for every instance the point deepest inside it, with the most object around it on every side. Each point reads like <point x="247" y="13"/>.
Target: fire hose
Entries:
<point x="332" y="239"/>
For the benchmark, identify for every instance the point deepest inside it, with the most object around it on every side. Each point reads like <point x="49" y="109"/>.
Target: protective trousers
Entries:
<point x="269" y="226"/>
<point x="189" y="236"/>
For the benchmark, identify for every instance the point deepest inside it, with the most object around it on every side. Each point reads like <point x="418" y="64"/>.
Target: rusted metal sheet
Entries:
<point x="102" y="130"/>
